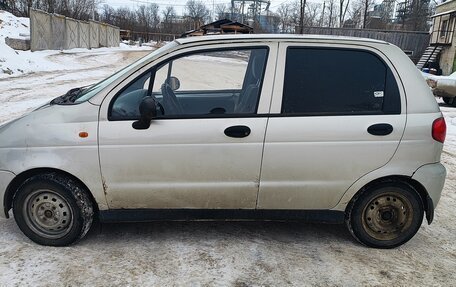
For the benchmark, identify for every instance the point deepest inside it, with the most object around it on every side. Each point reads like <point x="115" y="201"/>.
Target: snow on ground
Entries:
<point x="450" y="119"/>
<point x="212" y="253"/>
<point x="16" y="63"/>
<point x="80" y="67"/>
<point x="215" y="253"/>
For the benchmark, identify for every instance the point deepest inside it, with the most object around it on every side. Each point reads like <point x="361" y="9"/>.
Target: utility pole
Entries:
<point x="301" y="18"/>
<point x="323" y="14"/>
<point x="366" y="4"/>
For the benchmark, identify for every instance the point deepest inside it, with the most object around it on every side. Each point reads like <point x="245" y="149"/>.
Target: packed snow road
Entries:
<point x="20" y="93"/>
<point x="215" y="253"/>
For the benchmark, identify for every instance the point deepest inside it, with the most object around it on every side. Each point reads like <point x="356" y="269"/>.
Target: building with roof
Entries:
<point x="442" y="50"/>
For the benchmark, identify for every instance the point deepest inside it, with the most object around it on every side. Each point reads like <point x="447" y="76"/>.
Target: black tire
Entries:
<point x="53" y="210"/>
<point x="385" y="215"/>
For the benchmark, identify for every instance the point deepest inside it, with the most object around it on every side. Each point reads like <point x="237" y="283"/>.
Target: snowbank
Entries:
<point x="14" y="63"/>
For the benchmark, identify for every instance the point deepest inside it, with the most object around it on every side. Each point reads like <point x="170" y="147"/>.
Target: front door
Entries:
<point x="204" y="149"/>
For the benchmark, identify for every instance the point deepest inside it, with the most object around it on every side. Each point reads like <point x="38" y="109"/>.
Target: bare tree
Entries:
<point x="169" y="14"/>
<point x="332" y="7"/>
<point x="312" y="14"/>
<point x="79" y="9"/>
<point x="359" y="13"/>
<point x="284" y="12"/>
<point x="148" y="18"/>
<point x="295" y="16"/>
<point x="197" y="12"/>
<point x="343" y="11"/>
<point x="221" y="10"/>
<point x="367" y="5"/>
<point x="417" y="15"/>
<point x="126" y="19"/>
<point x="107" y="14"/>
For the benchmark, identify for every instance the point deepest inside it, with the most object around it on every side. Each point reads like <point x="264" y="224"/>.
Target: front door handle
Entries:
<point x="237" y="131"/>
<point x="380" y="129"/>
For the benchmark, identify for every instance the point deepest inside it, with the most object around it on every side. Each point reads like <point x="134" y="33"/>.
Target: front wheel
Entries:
<point x="52" y="210"/>
<point x="386" y="215"/>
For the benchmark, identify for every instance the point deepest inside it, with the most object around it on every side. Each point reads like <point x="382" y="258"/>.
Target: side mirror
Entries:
<point x="147" y="111"/>
<point x="174" y="83"/>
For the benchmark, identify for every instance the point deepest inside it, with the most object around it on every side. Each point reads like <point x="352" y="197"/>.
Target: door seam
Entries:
<point x="267" y="124"/>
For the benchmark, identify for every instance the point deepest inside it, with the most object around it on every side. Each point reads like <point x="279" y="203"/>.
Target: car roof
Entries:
<point x="274" y="37"/>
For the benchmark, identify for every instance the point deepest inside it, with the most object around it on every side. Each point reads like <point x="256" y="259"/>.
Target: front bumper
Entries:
<point x="432" y="177"/>
<point x="5" y="178"/>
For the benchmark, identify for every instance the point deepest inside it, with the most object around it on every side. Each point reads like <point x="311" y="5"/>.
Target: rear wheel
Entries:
<point x="52" y="210"/>
<point x="385" y="216"/>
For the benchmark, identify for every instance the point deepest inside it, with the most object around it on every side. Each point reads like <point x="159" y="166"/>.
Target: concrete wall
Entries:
<point x="103" y="35"/>
<point x="94" y="34"/>
<point x="56" y="32"/>
<point x="113" y="36"/>
<point x="84" y="34"/>
<point x="71" y="34"/>
<point x="40" y="31"/>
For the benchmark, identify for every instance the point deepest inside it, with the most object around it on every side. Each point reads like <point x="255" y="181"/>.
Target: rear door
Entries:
<point x="336" y="115"/>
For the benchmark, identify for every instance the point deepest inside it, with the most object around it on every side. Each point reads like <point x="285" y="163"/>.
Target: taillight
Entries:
<point x="439" y="130"/>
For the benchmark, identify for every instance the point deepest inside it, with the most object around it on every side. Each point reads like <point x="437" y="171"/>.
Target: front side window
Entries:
<point x="210" y="84"/>
<point x="321" y="81"/>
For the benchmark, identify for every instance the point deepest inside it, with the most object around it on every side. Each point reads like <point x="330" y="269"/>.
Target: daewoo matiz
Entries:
<point x="254" y="127"/>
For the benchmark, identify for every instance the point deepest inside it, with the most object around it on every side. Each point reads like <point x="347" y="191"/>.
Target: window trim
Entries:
<point x="356" y="113"/>
<point x="153" y="71"/>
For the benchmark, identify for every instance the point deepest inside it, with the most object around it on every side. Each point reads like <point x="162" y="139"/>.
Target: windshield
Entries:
<point x="91" y="91"/>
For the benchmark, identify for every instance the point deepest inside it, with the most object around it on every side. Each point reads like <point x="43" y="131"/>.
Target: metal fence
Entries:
<point x="56" y="32"/>
<point x="412" y="43"/>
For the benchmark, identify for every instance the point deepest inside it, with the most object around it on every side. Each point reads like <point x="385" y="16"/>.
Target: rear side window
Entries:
<point x="338" y="82"/>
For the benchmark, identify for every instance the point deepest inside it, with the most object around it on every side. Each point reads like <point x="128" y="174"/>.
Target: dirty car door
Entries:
<point x="204" y="150"/>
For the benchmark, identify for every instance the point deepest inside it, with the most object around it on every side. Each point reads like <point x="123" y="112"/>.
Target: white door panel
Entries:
<point x="188" y="163"/>
<point x="309" y="162"/>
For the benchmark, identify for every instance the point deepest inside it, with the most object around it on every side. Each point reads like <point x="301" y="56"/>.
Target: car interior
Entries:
<point x="173" y="101"/>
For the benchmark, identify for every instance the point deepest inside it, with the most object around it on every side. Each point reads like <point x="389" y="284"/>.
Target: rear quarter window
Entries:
<point x="333" y="81"/>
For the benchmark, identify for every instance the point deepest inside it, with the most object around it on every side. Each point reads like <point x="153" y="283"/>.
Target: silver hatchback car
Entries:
<point x="275" y="127"/>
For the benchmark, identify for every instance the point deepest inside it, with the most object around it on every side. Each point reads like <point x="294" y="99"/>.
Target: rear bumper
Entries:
<point x="5" y="178"/>
<point x="432" y="177"/>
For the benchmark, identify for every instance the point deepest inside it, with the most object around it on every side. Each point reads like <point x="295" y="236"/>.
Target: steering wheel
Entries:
<point x="170" y="102"/>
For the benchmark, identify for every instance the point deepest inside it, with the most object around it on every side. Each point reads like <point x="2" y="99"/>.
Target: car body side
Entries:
<point x="50" y="141"/>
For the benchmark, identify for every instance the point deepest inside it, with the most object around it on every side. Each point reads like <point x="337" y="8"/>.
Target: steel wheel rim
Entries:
<point x="387" y="216"/>
<point x="48" y="214"/>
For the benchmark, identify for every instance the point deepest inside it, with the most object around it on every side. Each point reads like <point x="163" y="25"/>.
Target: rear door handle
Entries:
<point x="380" y="129"/>
<point x="237" y="131"/>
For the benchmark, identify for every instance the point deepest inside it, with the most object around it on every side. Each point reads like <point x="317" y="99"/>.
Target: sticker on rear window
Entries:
<point x="378" y="94"/>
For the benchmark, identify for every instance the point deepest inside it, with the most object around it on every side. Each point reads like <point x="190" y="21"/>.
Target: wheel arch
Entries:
<point x="420" y="189"/>
<point x="22" y="177"/>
